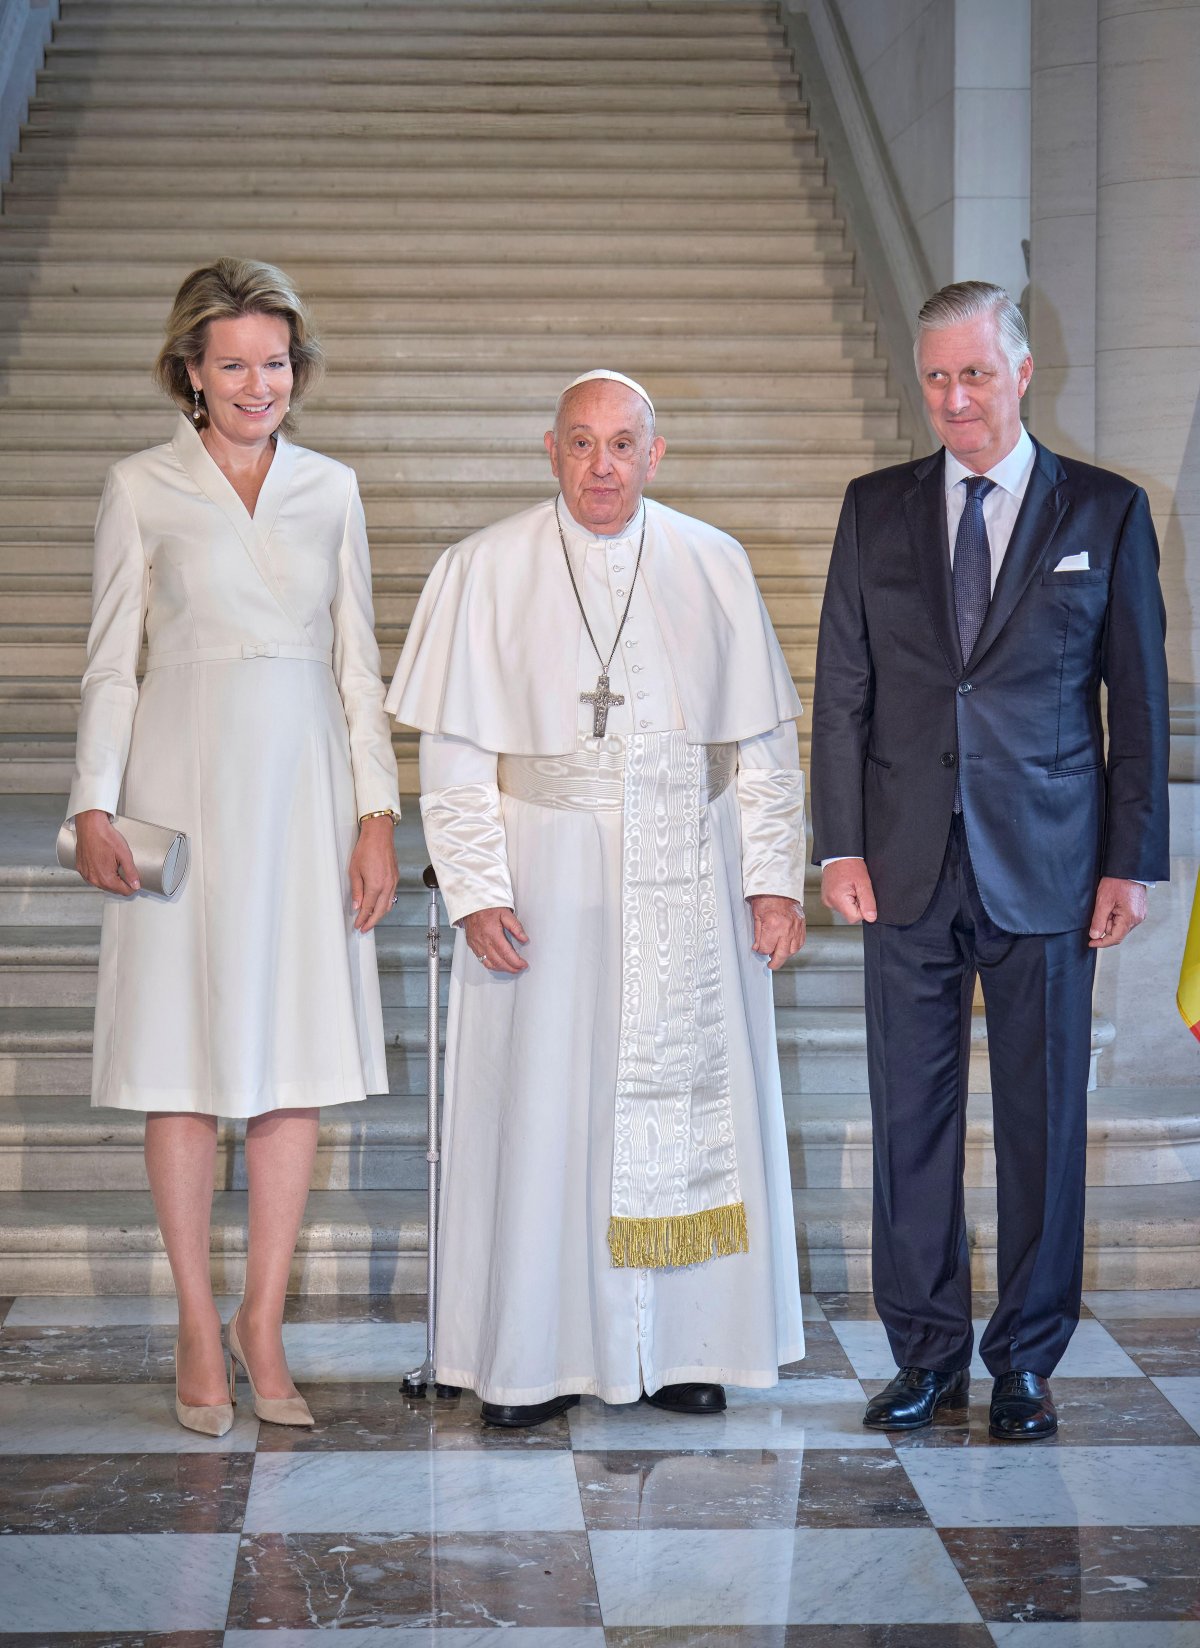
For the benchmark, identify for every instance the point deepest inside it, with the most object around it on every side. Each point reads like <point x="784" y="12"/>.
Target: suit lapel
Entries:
<point x="1042" y="510"/>
<point x="925" y="513"/>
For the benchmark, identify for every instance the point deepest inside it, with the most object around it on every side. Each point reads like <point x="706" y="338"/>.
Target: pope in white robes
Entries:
<point x="612" y="799"/>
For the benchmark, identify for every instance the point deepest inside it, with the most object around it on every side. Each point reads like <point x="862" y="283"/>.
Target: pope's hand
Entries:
<point x="102" y="854"/>
<point x="778" y="927"/>
<point x="489" y="936"/>
<point x="846" y="889"/>
<point x="373" y="872"/>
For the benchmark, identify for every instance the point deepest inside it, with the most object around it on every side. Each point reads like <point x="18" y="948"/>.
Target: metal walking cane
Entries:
<point x="416" y="1382"/>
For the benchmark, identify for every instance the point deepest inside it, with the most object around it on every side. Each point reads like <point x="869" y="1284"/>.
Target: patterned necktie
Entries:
<point x="972" y="565"/>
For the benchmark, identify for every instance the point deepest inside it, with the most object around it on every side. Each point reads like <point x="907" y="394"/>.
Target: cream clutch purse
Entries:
<point x="161" y="855"/>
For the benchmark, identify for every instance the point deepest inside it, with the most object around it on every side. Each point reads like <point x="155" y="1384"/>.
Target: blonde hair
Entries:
<point x="227" y="290"/>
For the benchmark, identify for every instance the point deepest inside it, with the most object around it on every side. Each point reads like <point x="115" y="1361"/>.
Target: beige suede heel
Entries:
<point x="211" y="1419"/>
<point x="274" y="1410"/>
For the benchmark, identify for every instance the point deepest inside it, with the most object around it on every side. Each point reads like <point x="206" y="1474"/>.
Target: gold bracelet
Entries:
<point x="384" y="812"/>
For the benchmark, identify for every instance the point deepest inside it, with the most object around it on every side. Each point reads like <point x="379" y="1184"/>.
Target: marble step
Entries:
<point x="326" y="101"/>
<point x="482" y="214"/>
<point x="483" y="371"/>
<point x="682" y="123"/>
<point x="830" y="461"/>
<point x="651" y="277"/>
<point x="821" y="1049"/>
<point x="455" y="512"/>
<point x="44" y="966"/>
<point x="299" y="150"/>
<point x="153" y="240"/>
<point x="115" y="421"/>
<point x="360" y="1241"/>
<point x="349" y="71"/>
<point x="820" y="329"/>
<point x="52" y="1142"/>
<point x="86" y="176"/>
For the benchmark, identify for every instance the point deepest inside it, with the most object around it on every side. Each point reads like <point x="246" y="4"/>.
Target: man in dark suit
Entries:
<point x="965" y="810"/>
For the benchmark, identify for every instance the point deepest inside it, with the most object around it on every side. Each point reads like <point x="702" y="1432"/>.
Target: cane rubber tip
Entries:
<point x="430" y="877"/>
<point x="447" y="1392"/>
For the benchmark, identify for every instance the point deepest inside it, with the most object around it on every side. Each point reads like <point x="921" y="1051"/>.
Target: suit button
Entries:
<point x="949" y="759"/>
<point x="966" y="686"/>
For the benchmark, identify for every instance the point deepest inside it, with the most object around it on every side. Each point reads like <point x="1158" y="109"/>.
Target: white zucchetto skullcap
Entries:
<point x="613" y="377"/>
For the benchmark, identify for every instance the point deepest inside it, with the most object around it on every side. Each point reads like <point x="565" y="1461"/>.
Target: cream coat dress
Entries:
<point x="259" y="730"/>
<point x="529" y="1304"/>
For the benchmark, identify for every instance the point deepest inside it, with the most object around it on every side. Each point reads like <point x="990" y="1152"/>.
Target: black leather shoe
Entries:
<point x="1022" y="1408"/>
<point x="521" y="1417"/>
<point x="914" y="1396"/>
<point x="688" y="1398"/>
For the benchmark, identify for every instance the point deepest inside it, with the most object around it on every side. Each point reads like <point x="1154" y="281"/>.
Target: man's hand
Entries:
<point x="846" y="889"/>
<point x="778" y="927"/>
<point x="373" y="873"/>
<point x="488" y="935"/>
<point x="1120" y="907"/>
<point x="102" y="854"/>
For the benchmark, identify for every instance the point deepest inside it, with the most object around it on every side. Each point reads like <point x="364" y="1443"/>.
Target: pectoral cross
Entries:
<point x="602" y="700"/>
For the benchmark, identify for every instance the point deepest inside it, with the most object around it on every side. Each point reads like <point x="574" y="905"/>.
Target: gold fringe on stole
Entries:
<point x="680" y="1239"/>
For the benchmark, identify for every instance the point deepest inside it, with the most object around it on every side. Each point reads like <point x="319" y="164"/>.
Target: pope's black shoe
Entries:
<point x="691" y="1399"/>
<point x="914" y="1396"/>
<point x="1022" y="1408"/>
<point x="522" y="1416"/>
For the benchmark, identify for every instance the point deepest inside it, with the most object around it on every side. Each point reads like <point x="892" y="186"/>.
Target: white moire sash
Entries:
<point x="676" y="1197"/>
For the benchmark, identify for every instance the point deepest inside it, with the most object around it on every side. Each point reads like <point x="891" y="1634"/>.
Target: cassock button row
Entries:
<point x="637" y="669"/>
<point x="641" y="694"/>
<point x="631" y="643"/>
<point x="620" y="592"/>
<point x="645" y="723"/>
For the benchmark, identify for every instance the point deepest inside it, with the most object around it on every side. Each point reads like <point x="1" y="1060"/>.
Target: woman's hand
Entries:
<point x="778" y="928"/>
<point x="102" y="854"/>
<point x="373" y="872"/>
<point x="490" y="934"/>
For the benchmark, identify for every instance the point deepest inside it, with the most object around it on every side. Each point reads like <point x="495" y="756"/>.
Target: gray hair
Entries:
<point x="967" y="300"/>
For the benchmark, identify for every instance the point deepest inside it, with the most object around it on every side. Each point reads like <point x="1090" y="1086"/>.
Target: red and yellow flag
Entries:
<point x="1188" y="994"/>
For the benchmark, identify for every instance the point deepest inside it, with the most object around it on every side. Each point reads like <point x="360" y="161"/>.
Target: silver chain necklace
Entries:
<point x="603" y="699"/>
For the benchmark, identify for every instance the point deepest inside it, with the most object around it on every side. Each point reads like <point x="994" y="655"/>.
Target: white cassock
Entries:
<point x="259" y="730"/>
<point x="523" y="807"/>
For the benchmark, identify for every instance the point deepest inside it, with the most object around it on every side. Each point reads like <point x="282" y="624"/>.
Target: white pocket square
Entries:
<point x="1074" y="563"/>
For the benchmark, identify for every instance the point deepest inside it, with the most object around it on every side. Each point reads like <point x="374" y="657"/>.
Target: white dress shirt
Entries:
<point x="1002" y="504"/>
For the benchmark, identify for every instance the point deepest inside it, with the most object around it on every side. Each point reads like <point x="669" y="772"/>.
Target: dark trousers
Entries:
<point x="1037" y="992"/>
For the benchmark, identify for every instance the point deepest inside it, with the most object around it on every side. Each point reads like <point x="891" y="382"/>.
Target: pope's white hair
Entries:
<point x="967" y="300"/>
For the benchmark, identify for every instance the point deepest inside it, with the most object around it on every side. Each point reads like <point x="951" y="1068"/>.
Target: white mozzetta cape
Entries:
<point x="492" y="652"/>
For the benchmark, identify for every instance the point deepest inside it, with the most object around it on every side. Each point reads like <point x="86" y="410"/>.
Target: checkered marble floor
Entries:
<point x="401" y="1524"/>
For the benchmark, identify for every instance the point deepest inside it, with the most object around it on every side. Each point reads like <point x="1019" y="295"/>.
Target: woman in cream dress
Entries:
<point x="259" y="730"/>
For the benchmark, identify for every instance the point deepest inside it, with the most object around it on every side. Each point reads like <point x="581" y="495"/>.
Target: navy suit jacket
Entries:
<point x="899" y="716"/>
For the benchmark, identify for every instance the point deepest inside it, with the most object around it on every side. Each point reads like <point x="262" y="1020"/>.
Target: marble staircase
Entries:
<point x="480" y="200"/>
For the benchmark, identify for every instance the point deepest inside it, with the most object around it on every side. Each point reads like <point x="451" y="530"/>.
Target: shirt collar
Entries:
<point x="573" y="529"/>
<point x="1011" y="473"/>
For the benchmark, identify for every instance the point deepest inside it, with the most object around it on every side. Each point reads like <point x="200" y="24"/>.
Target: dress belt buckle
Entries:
<point x="260" y="649"/>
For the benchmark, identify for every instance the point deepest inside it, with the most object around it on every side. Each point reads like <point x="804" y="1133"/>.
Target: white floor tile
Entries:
<point x="118" y="1310"/>
<point x="335" y="1351"/>
<point x="108" y="1419"/>
<point x="1183" y="1393"/>
<point x="116" y="1582"/>
<point x="1093" y="1353"/>
<point x="1027" y="1487"/>
<point x="797" y="1413"/>
<point x="447" y="1491"/>
<point x="827" y="1576"/>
